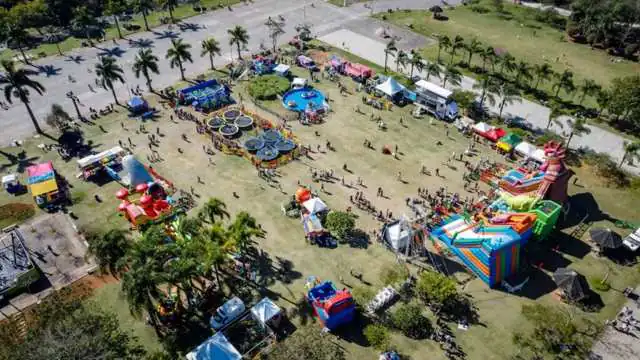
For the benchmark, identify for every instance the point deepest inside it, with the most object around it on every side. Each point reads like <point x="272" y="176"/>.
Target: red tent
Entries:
<point x="357" y="70"/>
<point x="494" y="134"/>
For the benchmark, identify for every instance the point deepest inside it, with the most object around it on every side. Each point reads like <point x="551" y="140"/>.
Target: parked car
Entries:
<point x="227" y="313"/>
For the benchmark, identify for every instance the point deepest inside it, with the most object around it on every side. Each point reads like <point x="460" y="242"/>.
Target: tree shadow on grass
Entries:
<point x="167" y="34"/>
<point x="539" y="284"/>
<point x="581" y="205"/>
<point x="74" y="58"/>
<point x="21" y="159"/>
<point x="115" y="52"/>
<point x="353" y="332"/>
<point x="48" y="70"/>
<point x="142" y="43"/>
<point x="184" y="26"/>
<point x="358" y="239"/>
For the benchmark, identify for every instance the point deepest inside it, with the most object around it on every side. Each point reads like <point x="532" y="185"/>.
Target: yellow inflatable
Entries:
<point x="519" y="202"/>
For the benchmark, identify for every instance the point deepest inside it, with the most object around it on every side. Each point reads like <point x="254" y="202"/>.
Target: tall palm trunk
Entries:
<point x="537" y="83"/>
<point x="239" y="56"/>
<point x="171" y="14"/>
<point x="181" y="69"/>
<point x="32" y="116"/>
<point x="569" y="140"/>
<point x="211" y="60"/>
<point x="24" y="56"/>
<point x="439" y="51"/>
<point x="144" y="17"/>
<point x="146" y="76"/>
<point x="113" y="91"/>
<point x="59" y="50"/>
<point x="386" y="56"/>
<point x="115" y="18"/>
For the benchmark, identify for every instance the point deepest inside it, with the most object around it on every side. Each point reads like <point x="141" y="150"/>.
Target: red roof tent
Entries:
<point x="357" y="70"/>
<point x="489" y="132"/>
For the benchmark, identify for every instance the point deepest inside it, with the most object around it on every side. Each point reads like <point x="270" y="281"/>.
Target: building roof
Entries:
<point x="14" y="259"/>
<point x="431" y="87"/>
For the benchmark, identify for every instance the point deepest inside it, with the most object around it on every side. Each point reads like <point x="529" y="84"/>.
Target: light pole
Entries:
<point x="73" y="98"/>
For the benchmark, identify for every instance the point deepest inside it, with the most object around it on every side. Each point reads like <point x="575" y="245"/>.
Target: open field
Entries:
<point x="181" y="12"/>
<point x="346" y="130"/>
<point x="522" y="36"/>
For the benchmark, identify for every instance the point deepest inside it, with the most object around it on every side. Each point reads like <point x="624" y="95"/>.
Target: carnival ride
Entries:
<point x="332" y="307"/>
<point x="205" y="96"/>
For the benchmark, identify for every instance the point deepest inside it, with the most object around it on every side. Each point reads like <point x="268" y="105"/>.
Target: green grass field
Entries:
<point x="181" y="12"/>
<point x="346" y="129"/>
<point x="522" y="36"/>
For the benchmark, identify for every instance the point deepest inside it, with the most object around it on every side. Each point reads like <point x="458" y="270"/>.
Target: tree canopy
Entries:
<point x="340" y="223"/>
<point x="435" y="288"/>
<point x="307" y="343"/>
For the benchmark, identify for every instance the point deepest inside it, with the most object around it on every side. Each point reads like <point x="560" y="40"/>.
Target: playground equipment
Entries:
<point x="332" y="307"/>
<point x="206" y="96"/>
<point x="382" y="299"/>
<point x="357" y="72"/>
<point x="305" y="100"/>
<point x="11" y="184"/>
<point x="109" y="161"/>
<point x="262" y="65"/>
<point x="215" y="123"/>
<point x="43" y="185"/>
<point x="312" y="211"/>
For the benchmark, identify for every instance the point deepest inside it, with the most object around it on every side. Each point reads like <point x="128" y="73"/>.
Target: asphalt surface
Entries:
<point x="324" y="18"/>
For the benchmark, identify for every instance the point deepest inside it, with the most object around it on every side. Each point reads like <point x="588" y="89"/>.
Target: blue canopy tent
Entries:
<point x="138" y="105"/>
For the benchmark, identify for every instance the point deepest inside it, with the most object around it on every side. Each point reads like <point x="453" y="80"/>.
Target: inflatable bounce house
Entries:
<point x="331" y="306"/>
<point x="205" y="96"/>
<point x="550" y="181"/>
<point x="149" y="201"/>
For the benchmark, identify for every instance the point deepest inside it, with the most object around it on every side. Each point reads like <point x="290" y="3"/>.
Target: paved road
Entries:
<point x="324" y="17"/>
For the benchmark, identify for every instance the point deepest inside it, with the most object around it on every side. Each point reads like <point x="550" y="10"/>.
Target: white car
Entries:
<point x="226" y="313"/>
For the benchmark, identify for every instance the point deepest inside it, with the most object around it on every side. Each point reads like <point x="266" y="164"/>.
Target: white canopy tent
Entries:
<point x="299" y="83"/>
<point x="281" y="69"/>
<point x="266" y="310"/>
<point x="390" y="87"/>
<point x="397" y="235"/>
<point x="539" y="155"/>
<point x="482" y="127"/>
<point x="315" y="205"/>
<point x="216" y="347"/>
<point x="530" y="151"/>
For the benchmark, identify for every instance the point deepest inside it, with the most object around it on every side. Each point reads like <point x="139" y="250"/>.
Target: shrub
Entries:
<point x="377" y="336"/>
<point x="436" y="289"/>
<point x="393" y="274"/>
<point x="15" y="213"/>
<point x="362" y="295"/>
<point x="267" y="87"/>
<point x="599" y="284"/>
<point x="479" y="9"/>
<point x="408" y="318"/>
<point x="340" y="223"/>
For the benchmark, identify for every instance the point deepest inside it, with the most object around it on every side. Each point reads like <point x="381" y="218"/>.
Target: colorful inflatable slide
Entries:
<point x="490" y="248"/>
<point x="518" y="181"/>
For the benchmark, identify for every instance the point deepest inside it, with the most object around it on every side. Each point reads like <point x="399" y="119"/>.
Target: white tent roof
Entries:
<point x="482" y="127"/>
<point x="396" y="236"/>
<point x="216" y="347"/>
<point x="9" y="179"/>
<point x="431" y="87"/>
<point x="88" y="160"/>
<point x="315" y="205"/>
<point x="299" y="82"/>
<point x="525" y="149"/>
<point x="265" y="310"/>
<point x="390" y="87"/>
<point x="281" y="68"/>
<point x="539" y="155"/>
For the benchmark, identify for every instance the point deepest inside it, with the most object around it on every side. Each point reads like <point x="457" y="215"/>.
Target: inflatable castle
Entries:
<point x="490" y="242"/>
<point x="331" y="306"/>
<point x="148" y="199"/>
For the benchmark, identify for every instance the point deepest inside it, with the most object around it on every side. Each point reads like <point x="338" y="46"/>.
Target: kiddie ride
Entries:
<point x="332" y="307"/>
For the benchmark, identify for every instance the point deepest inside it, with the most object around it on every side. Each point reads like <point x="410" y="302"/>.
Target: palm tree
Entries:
<point x="487" y="86"/>
<point x="110" y="250"/>
<point x="543" y="73"/>
<point x="488" y="56"/>
<point x="474" y="47"/>
<point x="578" y="127"/>
<point x="432" y="69"/>
<point x="169" y="5"/>
<point x="589" y="88"/>
<point x="458" y="43"/>
<point x="146" y="62"/>
<point x="210" y="47"/>
<point x="507" y="63"/>
<point x="452" y="75"/>
<point x="239" y="37"/>
<point x="443" y="43"/>
<point x="416" y="62"/>
<point x="18" y="35"/>
<point x="84" y="19"/>
<point x="554" y="114"/>
<point x="631" y="152"/>
<point x="16" y="82"/>
<point x="115" y="8"/>
<point x="390" y="49"/>
<point x="143" y="7"/>
<point x="276" y="29"/>
<point x="401" y="60"/>
<point x="523" y="71"/>
<point x="509" y="94"/>
<point x="177" y="54"/>
<point x="565" y="81"/>
<point x="140" y="286"/>
<point x="108" y="72"/>
<point x="242" y="231"/>
<point x="603" y="98"/>
<point x="212" y="209"/>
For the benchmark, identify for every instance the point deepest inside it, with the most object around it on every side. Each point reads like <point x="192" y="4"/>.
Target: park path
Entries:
<point x="371" y="48"/>
<point x="327" y="23"/>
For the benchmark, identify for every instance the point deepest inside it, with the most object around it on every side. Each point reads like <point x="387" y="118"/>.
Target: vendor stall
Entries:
<point x="108" y="161"/>
<point x="530" y="151"/>
<point x="43" y="184"/>
<point x="282" y="70"/>
<point x="508" y="142"/>
<point x="299" y="83"/>
<point x="489" y="132"/>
